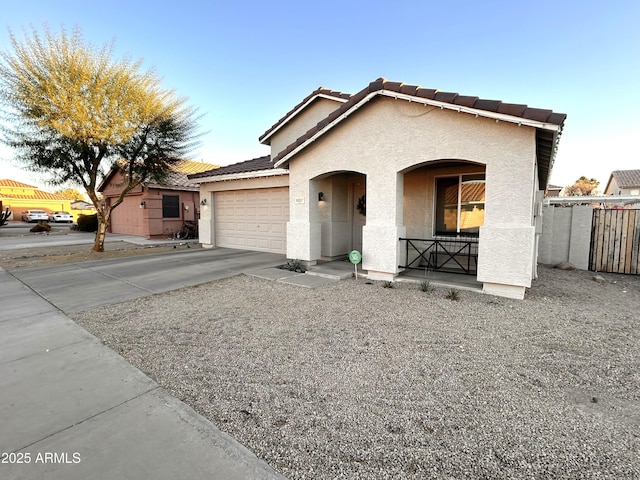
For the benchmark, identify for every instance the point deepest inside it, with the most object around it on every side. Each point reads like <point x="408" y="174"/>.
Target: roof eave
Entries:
<point x="241" y="176"/>
<point x="264" y="140"/>
<point x="425" y="101"/>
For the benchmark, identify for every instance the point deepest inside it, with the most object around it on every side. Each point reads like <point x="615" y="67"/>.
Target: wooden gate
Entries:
<point x="615" y="241"/>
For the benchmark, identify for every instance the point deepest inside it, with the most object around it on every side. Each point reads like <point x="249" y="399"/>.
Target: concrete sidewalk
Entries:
<point x="71" y="408"/>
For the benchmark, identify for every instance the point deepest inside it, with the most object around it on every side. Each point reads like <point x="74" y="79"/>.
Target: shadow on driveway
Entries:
<point x="82" y="286"/>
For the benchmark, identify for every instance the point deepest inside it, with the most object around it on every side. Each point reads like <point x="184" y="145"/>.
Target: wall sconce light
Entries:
<point x="203" y="201"/>
<point x="186" y="207"/>
<point x="321" y="197"/>
<point x="143" y="204"/>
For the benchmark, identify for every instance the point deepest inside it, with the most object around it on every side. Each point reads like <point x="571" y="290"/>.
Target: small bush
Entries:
<point x="387" y="284"/>
<point x="40" y="227"/>
<point x="88" y="223"/>
<point x="426" y="286"/>
<point x="294" y="266"/>
<point x="453" y="295"/>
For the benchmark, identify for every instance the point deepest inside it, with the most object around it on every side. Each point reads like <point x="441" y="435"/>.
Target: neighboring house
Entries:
<point x="20" y="197"/>
<point x="393" y="161"/>
<point x="82" y="205"/>
<point x="151" y="210"/>
<point x="553" y="191"/>
<point x="623" y="182"/>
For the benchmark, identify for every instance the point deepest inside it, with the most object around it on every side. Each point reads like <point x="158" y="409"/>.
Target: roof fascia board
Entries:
<point x="241" y="176"/>
<point x="297" y="111"/>
<point x="593" y="199"/>
<point x="474" y="111"/>
<point x="425" y="101"/>
<point x="157" y="186"/>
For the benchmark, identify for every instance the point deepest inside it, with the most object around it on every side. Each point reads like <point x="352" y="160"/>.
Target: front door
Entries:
<point x="358" y="219"/>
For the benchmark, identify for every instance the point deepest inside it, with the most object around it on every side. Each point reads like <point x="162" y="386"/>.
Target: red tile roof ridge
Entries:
<point x="452" y="98"/>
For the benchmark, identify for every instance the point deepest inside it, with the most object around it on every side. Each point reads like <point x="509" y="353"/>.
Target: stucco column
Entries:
<point x="303" y="228"/>
<point x="380" y="245"/>
<point x="206" y="227"/>
<point x="507" y="239"/>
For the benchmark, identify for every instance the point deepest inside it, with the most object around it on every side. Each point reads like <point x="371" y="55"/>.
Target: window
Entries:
<point x="460" y="204"/>
<point x="171" y="206"/>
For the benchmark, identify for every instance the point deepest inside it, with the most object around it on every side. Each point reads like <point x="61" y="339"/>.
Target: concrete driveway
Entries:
<point x="71" y="408"/>
<point x="82" y="286"/>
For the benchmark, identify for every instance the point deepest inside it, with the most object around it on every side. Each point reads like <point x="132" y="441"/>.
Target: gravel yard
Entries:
<point x="355" y="380"/>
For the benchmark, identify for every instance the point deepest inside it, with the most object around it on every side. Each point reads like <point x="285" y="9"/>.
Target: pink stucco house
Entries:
<point x="153" y="210"/>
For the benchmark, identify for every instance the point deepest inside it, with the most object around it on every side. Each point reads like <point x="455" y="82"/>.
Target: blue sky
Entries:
<point x="244" y="64"/>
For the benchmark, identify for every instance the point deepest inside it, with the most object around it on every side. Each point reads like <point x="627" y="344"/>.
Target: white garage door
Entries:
<point x="252" y="219"/>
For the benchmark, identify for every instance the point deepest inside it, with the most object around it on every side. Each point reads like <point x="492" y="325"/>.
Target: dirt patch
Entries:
<point x="354" y="380"/>
<point x="56" y="255"/>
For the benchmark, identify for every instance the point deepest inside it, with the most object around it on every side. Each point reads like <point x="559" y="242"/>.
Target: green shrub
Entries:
<point x="294" y="266"/>
<point x="4" y="216"/>
<point x="453" y="295"/>
<point x="426" y="286"/>
<point x="88" y="223"/>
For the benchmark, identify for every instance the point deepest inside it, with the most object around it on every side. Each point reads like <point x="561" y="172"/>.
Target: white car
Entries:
<point x="61" y="217"/>
<point x="35" y="216"/>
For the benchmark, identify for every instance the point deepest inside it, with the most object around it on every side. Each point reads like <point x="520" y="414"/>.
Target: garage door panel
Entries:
<point x="126" y="217"/>
<point x="252" y="219"/>
<point x="277" y="245"/>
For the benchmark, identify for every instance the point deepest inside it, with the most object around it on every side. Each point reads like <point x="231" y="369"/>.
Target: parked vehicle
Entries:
<point x="57" y="217"/>
<point x="35" y="216"/>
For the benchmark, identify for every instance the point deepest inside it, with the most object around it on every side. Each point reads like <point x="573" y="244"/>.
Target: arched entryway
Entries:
<point x="341" y="212"/>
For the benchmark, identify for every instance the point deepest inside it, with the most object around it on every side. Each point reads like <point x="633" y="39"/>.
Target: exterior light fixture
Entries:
<point x="186" y="207"/>
<point x="203" y="201"/>
<point x="321" y="197"/>
<point x="143" y="204"/>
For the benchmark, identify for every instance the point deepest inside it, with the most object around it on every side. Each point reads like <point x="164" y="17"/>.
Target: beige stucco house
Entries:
<point x="623" y="182"/>
<point x="409" y="176"/>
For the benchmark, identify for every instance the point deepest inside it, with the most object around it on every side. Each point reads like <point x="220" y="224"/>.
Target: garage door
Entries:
<point x="126" y="217"/>
<point x="252" y="219"/>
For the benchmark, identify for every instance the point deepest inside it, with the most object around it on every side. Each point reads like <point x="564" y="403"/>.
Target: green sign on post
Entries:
<point x="355" y="257"/>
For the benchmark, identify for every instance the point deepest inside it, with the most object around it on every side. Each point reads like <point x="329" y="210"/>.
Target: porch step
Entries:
<point x="335" y="270"/>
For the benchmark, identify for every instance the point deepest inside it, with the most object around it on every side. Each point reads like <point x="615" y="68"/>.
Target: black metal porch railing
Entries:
<point x="454" y="255"/>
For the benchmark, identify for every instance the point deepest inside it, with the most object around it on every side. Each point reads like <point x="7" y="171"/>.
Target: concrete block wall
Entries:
<point x="566" y="235"/>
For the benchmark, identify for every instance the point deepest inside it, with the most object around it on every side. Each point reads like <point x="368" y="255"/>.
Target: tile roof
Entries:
<point x="177" y="177"/>
<point x="34" y="193"/>
<point x="180" y="171"/>
<point x="189" y="166"/>
<point x="627" y="178"/>
<point x="37" y="195"/>
<point x="5" y="182"/>
<point x="320" y="91"/>
<point x="546" y="141"/>
<point x="253" y="165"/>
